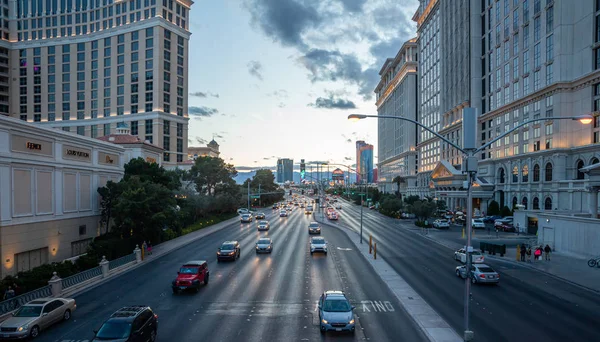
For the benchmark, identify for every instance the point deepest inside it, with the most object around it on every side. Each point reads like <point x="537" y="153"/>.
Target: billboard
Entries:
<point x="337" y="175"/>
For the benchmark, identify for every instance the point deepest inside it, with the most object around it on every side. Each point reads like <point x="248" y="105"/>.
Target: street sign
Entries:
<point x="254" y="196"/>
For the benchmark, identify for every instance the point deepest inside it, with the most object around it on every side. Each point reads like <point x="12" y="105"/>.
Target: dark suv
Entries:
<point x="229" y="250"/>
<point x="129" y="324"/>
<point x="190" y="276"/>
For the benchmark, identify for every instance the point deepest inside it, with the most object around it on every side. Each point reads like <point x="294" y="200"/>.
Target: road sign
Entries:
<point x="254" y="196"/>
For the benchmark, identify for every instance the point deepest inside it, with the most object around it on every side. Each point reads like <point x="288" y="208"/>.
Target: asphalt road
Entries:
<point x="256" y="298"/>
<point x="526" y="305"/>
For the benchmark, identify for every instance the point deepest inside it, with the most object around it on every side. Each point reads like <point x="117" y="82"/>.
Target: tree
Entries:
<point x="493" y="208"/>
<point x="207" y="172"/>
<point x="152" y="172"/>
<point x="108" y="196"/>
<point x="390" y="206"/>
<point x="423" y="209"/>
<point x="265" y="180"/>
<point x="411" y="199"/>
<point x="398" y="180"/>
<point x="441" y="205"/>
<point x="506" y="211"/>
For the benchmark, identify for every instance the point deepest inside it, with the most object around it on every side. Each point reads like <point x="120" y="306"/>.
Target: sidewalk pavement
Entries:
<point x="567" y="267"/>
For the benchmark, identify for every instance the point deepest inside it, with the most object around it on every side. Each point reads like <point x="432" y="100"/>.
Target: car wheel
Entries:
<point x="67" y="315"/>
<point x="35" y="331"/>
<point x="322" y="328"/>
<point x="206" y="280"/>
<point x="153" y="335"/>
<point x="458" y="274"/>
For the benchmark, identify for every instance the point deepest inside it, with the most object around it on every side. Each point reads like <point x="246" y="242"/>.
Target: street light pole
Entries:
<point x="361" y="217"/>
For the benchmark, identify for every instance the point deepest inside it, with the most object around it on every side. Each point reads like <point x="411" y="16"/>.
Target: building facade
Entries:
<point x="49" y="204"/>
<point x="285" y="170"/>
<point x="210" y="150"/>
<point x="396" y="95"/>
<point x="365" y="168"/>
<point x="84" y="66"/>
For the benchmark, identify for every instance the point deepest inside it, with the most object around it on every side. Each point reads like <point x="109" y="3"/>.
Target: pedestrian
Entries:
<point x="518" y="229"/>
<point x="16" y="288"/>
<point x="523" y="251"/>
<point x="547" y="251"/>
<point x="144" y="246"/>
<point x="529" y="254"/>
<point x="149" y="248"/>
<point x="10" y="293"/>
<point x="537" y="254"/>
<point x="496" y="231"/>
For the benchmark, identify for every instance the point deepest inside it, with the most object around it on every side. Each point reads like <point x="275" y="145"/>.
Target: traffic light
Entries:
<point x="302" y="169"/>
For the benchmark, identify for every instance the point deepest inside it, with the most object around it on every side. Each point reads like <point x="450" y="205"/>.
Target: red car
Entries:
<point x="191" y="275"/>
<point x="507" y="227"/>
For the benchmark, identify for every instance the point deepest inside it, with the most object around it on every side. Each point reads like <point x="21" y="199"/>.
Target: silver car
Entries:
<point x="441" y="224"/>
<point x="480" y="273"/>
<point x="36" y="316"/>
<point x="246" y="218"/>
<point x="335" y="312"/>
<point x="264" y="245"/>
<point x="314" y="228"/>
<point x="318" y="244"/>
<point x="264" y="225"/>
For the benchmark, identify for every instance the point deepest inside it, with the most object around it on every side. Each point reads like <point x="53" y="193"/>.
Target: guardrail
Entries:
<point x="14" y="303"/>
<point x="121" y="261"/>
<point x="81" y="277"/>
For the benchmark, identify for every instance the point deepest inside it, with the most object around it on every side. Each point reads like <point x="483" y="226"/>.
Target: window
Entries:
<point x="536" y="173"/>
<point x="536" y="203"/>
<point x="550" y="19"/>
<point x="550" y="48"/>
<point x="525" y="174"/>
<point x="515" y="174"/>
<point x="548" y="173"/>
<point x="524" y="202"/>
<point x="548" y="203"/>
<point x="502" y="176"/>
<point x="578" y="173"/>
<point x="148" y="126"/>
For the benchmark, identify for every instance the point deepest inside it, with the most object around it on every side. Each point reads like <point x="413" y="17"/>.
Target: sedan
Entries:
<point x="338" y="206"/>
<point x="441" y="224"/>
<point x="283" y="213"/>
<point x="314" y="228"/>
<point x="260" y="216"/>
<point x="476" y="256"/>
<point x="318" y="244"/>
<point x="499" y="223"/>
<point x="507" y="227"/>
<point x="37" y="315"/>
<point x="245" y="218"/>
<point x="264" y="245"/>
<point x="477" y="223"/>
<point x="480" y="273"/>
<point x="492" y="219"/>
<point x="264" y="225"/>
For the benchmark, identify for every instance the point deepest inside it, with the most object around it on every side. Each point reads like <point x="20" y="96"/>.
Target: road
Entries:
<point x="256" y="298"/>
<point x="526" y="305"/>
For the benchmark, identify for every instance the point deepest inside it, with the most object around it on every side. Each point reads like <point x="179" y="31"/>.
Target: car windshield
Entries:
<point x="264" y="222"/>
<point x="264" y="241"/>
<point x="227" y="247"/>
<point x="476" y="253"/>
<point x="336" y="305"/>
<point x="486" y="270"/>
<point x="114" y="330"/>
<point x="314" y="225"/>
<point x="479" y="220"/>
<point x="29" y="311"/>
<point x="318" y="241"/>
<point x="246" y="215"/>
<point x="188" y="270"/>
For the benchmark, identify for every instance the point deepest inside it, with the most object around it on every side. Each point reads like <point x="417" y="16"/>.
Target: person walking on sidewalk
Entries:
<point x="547" y="251"/>
<point x="149" y="248"/>
<point x="529" y="254"/>
<point x="523" y="251"/>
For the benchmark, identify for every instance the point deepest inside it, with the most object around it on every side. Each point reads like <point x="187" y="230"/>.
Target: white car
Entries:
<point x="318" y="244"/>
<point x="283" y="213"/>
<point x="441" y="224"/>
<point x="263" y="225"/>
<point x="338" y="206"/>
<point x="476" y="256"/>
<point x="477" y="223"/>
<point x="507" y="220"/>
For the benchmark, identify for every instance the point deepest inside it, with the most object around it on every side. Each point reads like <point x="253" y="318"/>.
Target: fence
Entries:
<point x="105" y="268"/>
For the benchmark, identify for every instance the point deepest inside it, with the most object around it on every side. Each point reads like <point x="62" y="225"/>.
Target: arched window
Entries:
<point x="536" y="173"/>
<point x="594" y="161"/>
<point x="525" y="174"/>
<point x="502" y="176"/>
<point x="515" y="175"/>
<point x="514" y="202"/>
<point x="524" y="202"/>
<point x="548" y="176"/>
<point x="548" y="203"/>
<point x="536" y="203"/>
<point x="579" y="174"/>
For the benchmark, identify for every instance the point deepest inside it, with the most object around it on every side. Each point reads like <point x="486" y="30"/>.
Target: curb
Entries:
<point x="425" y="315"/>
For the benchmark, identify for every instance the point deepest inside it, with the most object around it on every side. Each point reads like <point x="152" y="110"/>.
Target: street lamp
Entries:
<point x="469" y="166"/>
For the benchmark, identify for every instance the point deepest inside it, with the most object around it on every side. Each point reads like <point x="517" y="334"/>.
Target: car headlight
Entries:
<point x="351" y="321"/>
<point x="25" y="327"/>
<point x="231" y="253"/>
<point x="324" y="321"/>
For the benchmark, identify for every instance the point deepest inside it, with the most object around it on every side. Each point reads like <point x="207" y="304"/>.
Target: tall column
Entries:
<point x="593" y="201"/>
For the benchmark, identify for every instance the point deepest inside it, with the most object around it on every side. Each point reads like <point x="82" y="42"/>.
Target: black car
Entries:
<point x="129" y="324"/>
<point x="229" y="250"/>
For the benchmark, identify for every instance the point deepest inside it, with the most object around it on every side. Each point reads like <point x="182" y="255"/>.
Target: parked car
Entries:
<point x="318" y="244"/>
<point x="264" y="245"/>
<point x="335" y="312"/>
<point x="242" y="211"/>
<point x="441" y="224"/>
<point x="35" y="316"/>
<point x="480" y="273"/>
<point x="260" y="216"/>
<point x="129" y="324"/>
<point x="500" y="222"/>
<point x="476" y="256"/>
<point x="492" y="219"/>
<point x="507" y="227"/>
<point x="190" y="276"/>
<point x="229" y="250"/>
<point x="477" y="223"/>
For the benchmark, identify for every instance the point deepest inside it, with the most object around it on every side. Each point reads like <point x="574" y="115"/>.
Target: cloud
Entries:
<point x="204" y="94"/>
<point x="332" y="103"/>
<point x="353" y="5"/>
<point x="349" y="140"/>
<point x="280" y="94"/>
<point x="281" y="105"/>
<point x="219" y="135"/>
<point x="255" y="69"/>
<point x="201" y="141"/>
<point x="347" y="158"/>
<point x="202" y="111"/>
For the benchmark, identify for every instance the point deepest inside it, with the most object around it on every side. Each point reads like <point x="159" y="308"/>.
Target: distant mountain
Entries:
<point x="242" y="176"/>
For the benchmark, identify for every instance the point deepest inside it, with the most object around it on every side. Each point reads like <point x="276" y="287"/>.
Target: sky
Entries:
<point x="273" y="79"/>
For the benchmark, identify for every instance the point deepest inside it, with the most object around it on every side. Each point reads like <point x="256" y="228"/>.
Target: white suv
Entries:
<point x="318" y="244"/>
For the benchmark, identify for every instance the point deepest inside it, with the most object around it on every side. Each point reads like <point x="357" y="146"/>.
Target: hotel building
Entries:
<point x="85" y="65"/>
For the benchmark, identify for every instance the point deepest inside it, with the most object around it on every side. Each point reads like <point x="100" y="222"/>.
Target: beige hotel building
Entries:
<point x="85" y="65"/>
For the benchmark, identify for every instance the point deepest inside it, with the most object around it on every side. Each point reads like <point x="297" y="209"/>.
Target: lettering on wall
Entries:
<point x="108" y="160"/>
<point x="150" y="160"/>
<point x="33" y="146"/>
<point x="75" y="153"/>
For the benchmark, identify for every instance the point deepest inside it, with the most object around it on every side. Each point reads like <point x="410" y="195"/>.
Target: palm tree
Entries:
<point x="398" y="180"/>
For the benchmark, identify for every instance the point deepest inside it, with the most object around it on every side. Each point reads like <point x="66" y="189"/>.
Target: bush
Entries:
<point x="422" y="224"/>
<point x="39" y="276"/>
<point x="506" y="212"/>
<point x="493" y="208"/>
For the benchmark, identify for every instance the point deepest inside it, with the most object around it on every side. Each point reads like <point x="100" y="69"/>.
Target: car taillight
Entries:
<point x="156" y="316"/>
<point x="482" y="276"/>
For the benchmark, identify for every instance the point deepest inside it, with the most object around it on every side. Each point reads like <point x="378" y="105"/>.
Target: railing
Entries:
<point x="81" y="276"/>
<point x="16" y="302"/>
<point x="121" y="261"/>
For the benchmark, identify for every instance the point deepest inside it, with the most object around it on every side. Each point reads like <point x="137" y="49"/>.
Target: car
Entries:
<point x="441" y="224"/>
<point x="318" y="244"/>
<point x="129" y="324"/>
<point x="245" y="218"/>
<point x="243" y="211"/>
<point x="263" y="225"/>
<point x="264" y="245"/>
<point x="480" y="273"/>
<point x="476" y="256"/>
<point x="492" y="219"/>
<point x="229" y="250"/>
<point x="477" y="223"/>
<point x="302" y="205"/>
<point x="275" y="207"/>
<point x="190" y="276"/>
<point x="505" y="220"/>
<point x="35" y="316"/>
<point x="314" y="228"/>
<point x="335" y="312"/>
<point x="260" y="216"/>
<point x="507" y="227"/>
<point x="338" y="206"/>
<point x="308" y="210"/>
<point x="333" y="215"/>
<point x="283" y="213"/>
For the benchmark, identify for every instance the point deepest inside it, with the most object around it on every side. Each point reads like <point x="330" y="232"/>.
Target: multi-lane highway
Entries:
<point x="526" y="305"/>
<point x="256" y="298"/>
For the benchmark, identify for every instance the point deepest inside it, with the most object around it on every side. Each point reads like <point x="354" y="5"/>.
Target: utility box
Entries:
<point x="469" y="129"/>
